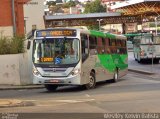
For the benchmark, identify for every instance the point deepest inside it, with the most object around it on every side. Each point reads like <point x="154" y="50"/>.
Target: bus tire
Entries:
<point x="139" y="60"/>
<point x="51" y="87"/>
<point x="135" y="58"/>
<point x="116" y="76"/>
<point x="92" y="81"/>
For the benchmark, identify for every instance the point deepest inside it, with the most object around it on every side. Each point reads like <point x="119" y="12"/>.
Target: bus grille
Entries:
<point x="54" y="69"/>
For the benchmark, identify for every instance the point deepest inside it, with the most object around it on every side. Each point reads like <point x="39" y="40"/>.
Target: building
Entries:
<point x="33" y="15"/>
<point x="12" y="17"/>
<point x="110" y="3"/>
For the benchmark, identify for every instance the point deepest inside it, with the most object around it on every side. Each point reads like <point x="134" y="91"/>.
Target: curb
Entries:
<point x="12" y="87"/>
<point x="4" y="103"/>
<point x="141" y="71"/>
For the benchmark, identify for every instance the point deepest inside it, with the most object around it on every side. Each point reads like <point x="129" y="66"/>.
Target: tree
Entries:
<point x="94" y="7"/>
<point x="51" y="3"/>
<point x="69" y="4"/>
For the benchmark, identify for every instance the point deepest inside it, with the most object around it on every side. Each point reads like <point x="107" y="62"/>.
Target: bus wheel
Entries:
<point x="50" y="87"/>
<point x="92" y="81"/>
<point x="139" y="61"/>
<point x="135" y="58"/>
<point x="115" y="77"/>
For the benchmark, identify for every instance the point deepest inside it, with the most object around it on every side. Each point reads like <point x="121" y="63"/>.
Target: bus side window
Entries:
<point x="85" y="51"/>
<point x="136" y="42"/>
<point x="101" y="45"/>
<point x="112" y="45"/>
<point x="93" y="45"/>
<point x="123" y="47"/>
<point x="107" y="47"/>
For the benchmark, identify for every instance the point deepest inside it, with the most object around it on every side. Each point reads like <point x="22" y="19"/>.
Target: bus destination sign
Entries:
<point x="59" y="32"/>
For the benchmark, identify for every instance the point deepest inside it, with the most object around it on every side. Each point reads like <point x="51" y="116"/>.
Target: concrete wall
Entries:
<point x="6" y="31"/>
<point x="14" y="69"/>
<point x="33" y="14"/>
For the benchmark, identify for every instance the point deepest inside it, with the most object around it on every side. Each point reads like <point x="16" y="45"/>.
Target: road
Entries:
<point x="131" y="94"/>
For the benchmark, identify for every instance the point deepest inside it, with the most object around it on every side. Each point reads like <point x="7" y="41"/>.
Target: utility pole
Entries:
<point x="99" y="23"/>
<point x="13" y="18"/>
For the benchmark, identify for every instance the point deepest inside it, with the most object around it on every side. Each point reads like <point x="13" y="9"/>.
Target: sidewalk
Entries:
<point x="142" y="71"/>
<point x="19" y="87"/>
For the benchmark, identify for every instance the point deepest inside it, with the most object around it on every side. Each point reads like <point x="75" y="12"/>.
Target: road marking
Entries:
<point x="87" y="95"/>
<point x="74" y="101"/>
<point x="30" y="100"/>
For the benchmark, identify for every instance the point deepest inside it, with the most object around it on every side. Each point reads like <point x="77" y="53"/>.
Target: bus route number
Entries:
<point x="56" y="33"/>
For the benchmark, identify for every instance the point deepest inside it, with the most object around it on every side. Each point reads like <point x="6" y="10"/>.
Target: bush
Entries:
<point x="13" y="45"/>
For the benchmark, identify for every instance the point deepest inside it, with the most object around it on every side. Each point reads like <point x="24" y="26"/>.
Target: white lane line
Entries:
<point x="74" y="101"/>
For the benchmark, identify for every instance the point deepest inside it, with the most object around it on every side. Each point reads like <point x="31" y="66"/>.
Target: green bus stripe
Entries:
<point x="112" y="36"/>
<point x="97" y="33"/>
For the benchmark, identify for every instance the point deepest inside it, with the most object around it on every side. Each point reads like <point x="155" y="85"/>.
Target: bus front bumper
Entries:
<point x="70" y="80"/>
<point x="150" y="57"/>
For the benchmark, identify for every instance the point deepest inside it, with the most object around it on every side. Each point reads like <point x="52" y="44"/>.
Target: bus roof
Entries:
<point x="92" y="33"/>
<point x="116" y="36"/>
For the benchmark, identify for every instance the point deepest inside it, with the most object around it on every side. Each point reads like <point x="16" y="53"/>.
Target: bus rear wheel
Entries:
<point x="139" y="61"/>
<point x="92" y="81"/>
<point x="115" y="77"/>
<point x="51" y="87"/>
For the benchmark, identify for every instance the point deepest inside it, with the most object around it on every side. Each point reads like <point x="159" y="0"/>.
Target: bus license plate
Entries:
<point x="54" y="81"/>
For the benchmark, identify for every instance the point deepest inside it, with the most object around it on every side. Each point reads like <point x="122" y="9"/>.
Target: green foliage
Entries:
<point x="51" y="3"/>
<point x="69" y="4"/>
<point x="11" y="45"/>
<point x="56" y="8"/>
<point x="4" y="45"/>
<point x="93" y="27"/>
<point x="94" y="7"/>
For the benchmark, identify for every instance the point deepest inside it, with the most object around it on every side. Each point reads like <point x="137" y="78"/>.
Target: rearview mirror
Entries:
<point x="28" y="45"/>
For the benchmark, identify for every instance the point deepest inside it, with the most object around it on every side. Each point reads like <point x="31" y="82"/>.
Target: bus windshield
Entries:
<point x="156" y="39"/>
<point x="146" y="40"/>
<point x="56" y="51"/>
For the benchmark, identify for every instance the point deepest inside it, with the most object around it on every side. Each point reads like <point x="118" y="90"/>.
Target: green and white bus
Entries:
<point x="68" y="56"/>
<point x="146" y="47"/>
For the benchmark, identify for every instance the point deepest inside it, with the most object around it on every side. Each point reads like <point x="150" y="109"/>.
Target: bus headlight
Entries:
<point x="35" y="71"/>
<point x="75" y="71"/>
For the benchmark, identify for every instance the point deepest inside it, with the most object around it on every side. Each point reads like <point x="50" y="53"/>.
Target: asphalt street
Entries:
<point x="134" y="93"/>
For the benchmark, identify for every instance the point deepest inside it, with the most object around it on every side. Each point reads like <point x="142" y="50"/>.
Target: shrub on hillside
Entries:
<point x="13" y="45"/>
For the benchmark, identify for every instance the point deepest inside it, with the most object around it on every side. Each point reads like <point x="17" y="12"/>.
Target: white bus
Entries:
<point x="146" y="47"/>
<point x="63" y="56"/>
